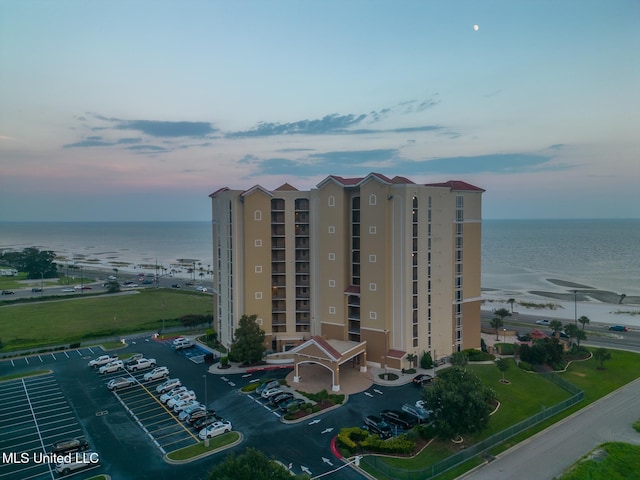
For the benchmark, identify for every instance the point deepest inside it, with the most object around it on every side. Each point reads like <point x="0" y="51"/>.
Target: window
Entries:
<point x="258" y="296"/>
<point x="332" y="229"/>
<point x="331" y="201"/>
<point x="257" y="243"/>
<point x="372" y="258"/>
<point x="332" y="283"/>
<point x="258" y="269"/>
<point x="372" y="287"/>
<point x="332" y="310"/>
<point x="372" y="230"/>
<point x="373" y="315"/>
<point x="332" y="256"/>
<point x="257" y="215"/>
<point x="372" y="199"/>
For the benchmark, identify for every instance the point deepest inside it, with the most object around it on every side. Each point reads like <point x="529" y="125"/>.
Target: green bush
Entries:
<point x="525" y="366"/>
<point x="426" y="361"/>
<point x="250" y="387"/>
<point x="398" y="444"/>
<point x="477" y="355"/>
<point x="224" y="361"/>
<point x="315" y="408"/>
<point x="636" y="426"/>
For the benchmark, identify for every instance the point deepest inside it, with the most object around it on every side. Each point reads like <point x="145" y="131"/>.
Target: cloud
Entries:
<point x="152" y="148"/>
<point x="389" y="161"/>
<point x="98" y="141"/>
<point x="333" y="123"/>
<point x="155" y="128"/>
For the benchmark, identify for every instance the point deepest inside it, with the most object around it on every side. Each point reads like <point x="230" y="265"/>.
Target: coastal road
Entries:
<point x="597" y="333"/>
<point x="550" y="452"/>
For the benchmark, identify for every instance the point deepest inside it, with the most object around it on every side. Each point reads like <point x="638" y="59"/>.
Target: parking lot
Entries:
<point x="35" y="414"/>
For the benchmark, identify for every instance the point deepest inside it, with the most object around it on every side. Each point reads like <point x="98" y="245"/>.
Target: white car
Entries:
<point x="112" y="367"/>
<point x="120" y="382"/>
<point x="543" y="322"/>
<point x="200" y="288"/>
<point x="156" y="374"/>
<point x="269" y="392"/>
<point x="77" y="461"/>
<point x="185" y="404"/>
<point x="102" y="360"/>
<point x="168" y="385"/>
<point x="180" y="397"/>
<point x="177" y="340"/>
<point x="141" y="364"/>
<point x="182" y="343"/>
<point x="165" y="397"/>
<point x="189" y="410"/>
<point x="215" y="429"/>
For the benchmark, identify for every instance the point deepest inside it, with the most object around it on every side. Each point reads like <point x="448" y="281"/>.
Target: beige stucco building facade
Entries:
<point x="379" y="260"/>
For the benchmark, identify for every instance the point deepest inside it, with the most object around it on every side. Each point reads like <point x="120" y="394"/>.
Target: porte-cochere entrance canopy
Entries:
<point x="330" y="354"/>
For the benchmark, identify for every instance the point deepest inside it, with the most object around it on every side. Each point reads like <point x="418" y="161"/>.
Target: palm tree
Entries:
<point x="584" y="320"/>
<point x="497" y="322"/>
<point x="511" y="301"/>
<point x="556" y="326"/>
<point x="572" y="330"/>
<point x="602" y="354"/>
<point x="411" y="358"/>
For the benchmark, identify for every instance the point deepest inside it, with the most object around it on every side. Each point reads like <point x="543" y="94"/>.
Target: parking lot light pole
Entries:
<point x="206" y="409"/>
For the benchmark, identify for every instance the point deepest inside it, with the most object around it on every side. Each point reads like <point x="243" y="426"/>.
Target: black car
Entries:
<point x="70" y="445"/>
<point x="378" y="426"/>
<point x="398" y="418"/>
<point x="281" y="397"/>
<point x="422" y="379"/>
<point x="206" y="421"/>
<point x="198" y="414"/>
<point x="291" y="403"/>
<point x="8" y="292"/>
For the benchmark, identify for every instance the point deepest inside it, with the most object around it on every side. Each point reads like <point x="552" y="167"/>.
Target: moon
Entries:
<point x="476" y="27"/>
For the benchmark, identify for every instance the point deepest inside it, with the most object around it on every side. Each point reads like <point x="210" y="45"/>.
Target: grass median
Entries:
<point x="194" y="451"/>
<point x="60" y="321"/>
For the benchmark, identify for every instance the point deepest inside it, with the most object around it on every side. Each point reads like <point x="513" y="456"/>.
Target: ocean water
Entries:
<point x="521" y="255"/>
<point x="517" y="255"/>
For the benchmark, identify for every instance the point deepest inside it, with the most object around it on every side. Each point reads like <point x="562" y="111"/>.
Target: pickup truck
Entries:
<point x="102" y="360"/>
<point x="141" y="364"/>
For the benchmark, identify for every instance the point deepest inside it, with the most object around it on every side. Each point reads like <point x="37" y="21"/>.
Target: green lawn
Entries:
<point x="200" y="448"/>
<point x="609" y="460"/>
<point x="525" y="396"/>
<point x="29" y="325"/>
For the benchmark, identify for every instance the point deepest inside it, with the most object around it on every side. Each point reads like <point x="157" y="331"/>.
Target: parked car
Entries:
<point x="184" y="414"/>
<point x="69" y="445"/>
<point x="420" y="414"/>
<point x="196" y="415"/>
<point x="132" y="359"/>
<point x="619" y="328"/>
<point x="179" y="397"/>
<point x="182" y="343"/>
<point x="111" y="367"/>
<point x="543" y="322"/>
<point x="141" y="364"/>
<point x="215" y="429"/>
<point x="165" y="397"/>
<point x="120" y="382"/>
<point x="422" y="379"/>
<point x="275" y="400"/>
<point x="294" y="403"/>
<point x="378" y="426"/>
<point x="102" y="360"/>
<point x="168" y="385"/>
<point x="267" y="385"/>
<point x="205" y="421"/>
<point x="182" y="405"/>
<point x="398" y="418"/>
<point x="156" y="374"/>
<point x="271" y="392"/>
<point x="81" y="461"/>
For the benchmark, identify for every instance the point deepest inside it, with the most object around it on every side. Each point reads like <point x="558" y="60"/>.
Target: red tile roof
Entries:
<point x="286" y="187"/>
<point x="396" y="353"/>
<point x="456" y="185"/>
<point x="325" y="346"/>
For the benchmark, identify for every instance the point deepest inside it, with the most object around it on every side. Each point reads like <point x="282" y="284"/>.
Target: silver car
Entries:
<point x="168" y="385"/>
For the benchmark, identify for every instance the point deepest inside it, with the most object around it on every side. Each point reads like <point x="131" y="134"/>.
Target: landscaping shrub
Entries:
<point x="525" y="366"/>
<point x="477" y="355"/>
<point x="75" y="345"/>
<point x="251" y="387"/>
<point x="315" y="408"/>
<point x="426" y="361"/>
<point x="398" y="444"/>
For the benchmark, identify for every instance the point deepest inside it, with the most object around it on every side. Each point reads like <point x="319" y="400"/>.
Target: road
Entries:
<point x="597" y="333"/>
<point x="549" y="453"/>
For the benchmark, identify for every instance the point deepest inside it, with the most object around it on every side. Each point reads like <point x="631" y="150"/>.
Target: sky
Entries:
<point x="131" y="111"/>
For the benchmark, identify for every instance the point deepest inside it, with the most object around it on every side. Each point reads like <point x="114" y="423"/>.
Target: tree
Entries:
<point x="511" y="301"/>
<point x="112" y="286"/>
<point x="251" y="465"/>
<point x="426" y="361"/>
<point x="496" y="323"/>
<point x="584" y="320"/>
<point x="556" y="326"/>
<point x="36" y="263"/>
<point x="571" y="329"/>
<point x="602" y="355"/>
<point x="503" y="366"/>
<point x="580" y="335"/>
<point x="411" y="358"/>
<point x="502" y="313"/>
<point x="459" y="358"/>
<point x="460" y="402"/>
<point x="248" y="345"/>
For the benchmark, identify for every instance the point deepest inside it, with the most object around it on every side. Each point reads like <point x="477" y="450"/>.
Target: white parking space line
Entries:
<point x="91" y="350"/>
<point x="66" y="354"/>
<point x="40" y="358"/>
<point x="26" y="360"/>
<point x="78" y="352"/>
<point x="12" y="364"/>
<point x="36" y="422"/>
<point x="54" y="357"/>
